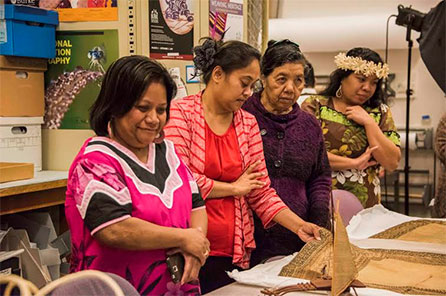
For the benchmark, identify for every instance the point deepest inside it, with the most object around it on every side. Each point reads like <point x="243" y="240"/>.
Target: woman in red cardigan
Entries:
<point x="222" y="146"/>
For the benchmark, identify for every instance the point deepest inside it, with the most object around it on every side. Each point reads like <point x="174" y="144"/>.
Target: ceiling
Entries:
<point x="333" y="25"/>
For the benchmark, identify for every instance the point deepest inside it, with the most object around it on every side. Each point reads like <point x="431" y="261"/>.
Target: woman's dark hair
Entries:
<point x="230" y="56"/>
<point x="309" y="75"/>
<point x="123" y="85"/>
<point x="279" y="53"/>
<point x="338" y="75"/>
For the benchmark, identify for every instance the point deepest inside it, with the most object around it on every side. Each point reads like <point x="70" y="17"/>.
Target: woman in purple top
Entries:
<point x="294" y="148"/>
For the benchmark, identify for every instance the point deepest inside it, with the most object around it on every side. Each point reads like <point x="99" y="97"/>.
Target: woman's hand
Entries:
<point x="362" y="162"/>
<point x="195" y="243"/>
<point x="308" y="232"/>
<point x="192" y="267"/>
<point x="248" y="180"/>
<point x="358" y="115"/>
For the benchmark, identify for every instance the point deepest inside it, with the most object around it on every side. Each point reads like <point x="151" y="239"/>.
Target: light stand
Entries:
<point x="408" y="93"/>
<point x="412" y="19"/>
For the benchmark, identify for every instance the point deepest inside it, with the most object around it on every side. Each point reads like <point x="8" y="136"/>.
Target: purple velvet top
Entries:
<point x="298" y="167"/>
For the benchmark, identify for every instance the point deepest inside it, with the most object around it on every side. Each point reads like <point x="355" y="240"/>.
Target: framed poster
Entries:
<point x="226" y="17"/>
<point x="74" y="75"/>
<point x="171" y="29"/>
<point x="191" y="76"/>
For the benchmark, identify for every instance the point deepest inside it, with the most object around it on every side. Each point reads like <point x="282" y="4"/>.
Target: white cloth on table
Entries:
<point x="374" y="220"/>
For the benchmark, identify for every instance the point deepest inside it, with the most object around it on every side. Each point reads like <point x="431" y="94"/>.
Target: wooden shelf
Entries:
<point x="32" y="187"/>
<point x="45" y="190"/>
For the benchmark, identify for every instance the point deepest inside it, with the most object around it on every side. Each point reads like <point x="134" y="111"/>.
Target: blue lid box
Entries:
<point x="28" y="31"/>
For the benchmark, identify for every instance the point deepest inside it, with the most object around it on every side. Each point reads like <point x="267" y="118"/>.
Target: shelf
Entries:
<point x="46" y="189"/>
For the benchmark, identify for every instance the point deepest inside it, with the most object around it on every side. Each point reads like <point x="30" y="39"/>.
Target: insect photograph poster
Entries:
<point x="171" y="24"/>
<point x="73" y="78"/>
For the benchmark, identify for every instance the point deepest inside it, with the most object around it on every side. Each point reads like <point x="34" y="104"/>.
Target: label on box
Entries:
<point x="6" y="271"/>
<point x="23" y="2"/>
<point x="3" y="35"/>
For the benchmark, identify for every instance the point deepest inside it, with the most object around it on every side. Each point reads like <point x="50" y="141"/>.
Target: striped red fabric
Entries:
<point x="186" y="128"/>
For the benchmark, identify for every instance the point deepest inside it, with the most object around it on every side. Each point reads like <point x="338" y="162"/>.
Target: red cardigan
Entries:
<point x="186" y="128"/>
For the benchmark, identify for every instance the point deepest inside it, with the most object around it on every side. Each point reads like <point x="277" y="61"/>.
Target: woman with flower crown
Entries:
<point x="359" y="131"/>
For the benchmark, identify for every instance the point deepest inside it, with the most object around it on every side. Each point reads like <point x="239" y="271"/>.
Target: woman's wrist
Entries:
<point x="234" y="189"/>
<point x="182" y="236"/>
<point x="299" y="226"/>
<point x="354" y="162"/>
<point x="298" y="222"/>
<point x="370" y="123"/>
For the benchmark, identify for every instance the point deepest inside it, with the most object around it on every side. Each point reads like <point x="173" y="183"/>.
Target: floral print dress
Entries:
<point x="346" y="138"/>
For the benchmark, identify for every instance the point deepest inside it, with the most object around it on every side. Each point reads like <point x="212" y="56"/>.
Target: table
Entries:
<point x="236" y="289"/>
<point x="46" y="189"/>
<point x="362" y="226"/>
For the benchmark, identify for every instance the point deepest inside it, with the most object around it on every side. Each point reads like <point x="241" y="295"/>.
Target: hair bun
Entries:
<point x="204" y="54"/>
<point x="271" y="43"/>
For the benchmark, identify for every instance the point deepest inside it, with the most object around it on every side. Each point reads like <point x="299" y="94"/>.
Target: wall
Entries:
<point x="325" y="25"/>
<point x="60" y="146"/>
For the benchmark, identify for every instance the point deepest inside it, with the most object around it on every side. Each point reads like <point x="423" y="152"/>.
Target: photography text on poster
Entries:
<point x="63" y="52"/>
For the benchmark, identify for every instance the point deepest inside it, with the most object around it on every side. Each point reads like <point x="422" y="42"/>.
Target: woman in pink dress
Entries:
<point x="131" y="201"/>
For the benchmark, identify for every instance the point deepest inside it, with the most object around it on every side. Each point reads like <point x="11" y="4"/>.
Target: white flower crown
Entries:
<point x="360" y="66"/>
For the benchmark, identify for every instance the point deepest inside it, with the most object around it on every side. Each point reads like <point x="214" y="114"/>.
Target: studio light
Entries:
<point x="432" y="50"/>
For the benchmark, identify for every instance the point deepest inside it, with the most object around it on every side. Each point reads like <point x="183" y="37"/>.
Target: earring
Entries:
<point x="109" y="128"/>
<point x="339" y="92"/>
<point x="159" y="138"/>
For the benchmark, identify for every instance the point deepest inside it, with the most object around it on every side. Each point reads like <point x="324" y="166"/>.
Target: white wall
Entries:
<point x="326" y="25"/>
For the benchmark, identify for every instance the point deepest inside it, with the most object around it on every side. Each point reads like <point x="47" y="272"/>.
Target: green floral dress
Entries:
<point x="346" y="138"/>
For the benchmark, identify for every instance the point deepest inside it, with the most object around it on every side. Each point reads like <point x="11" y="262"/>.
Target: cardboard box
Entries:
<point x="60" y="147"/>
<point x="10" y="263"/>
<point x="28" y="31"/>
<point x="11" y="171"/>
<point x="22" y="86"/>
<point x="32" y="267"/>
<point x="40" y="232"/>
<point x="21" y="140"/>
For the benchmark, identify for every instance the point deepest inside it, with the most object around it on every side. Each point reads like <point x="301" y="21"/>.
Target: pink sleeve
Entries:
<point x="99" y="190"/>
<point x="264" y="201"/>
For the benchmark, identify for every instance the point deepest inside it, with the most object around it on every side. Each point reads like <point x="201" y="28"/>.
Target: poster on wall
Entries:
<point x="171" y="24"/>
<point x="82" y="10"/>
<point x="73" y="77"/>
<point x="226" y="16"/>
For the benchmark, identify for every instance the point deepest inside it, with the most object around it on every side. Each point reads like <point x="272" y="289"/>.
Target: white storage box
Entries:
<point x="21" y="140"/>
